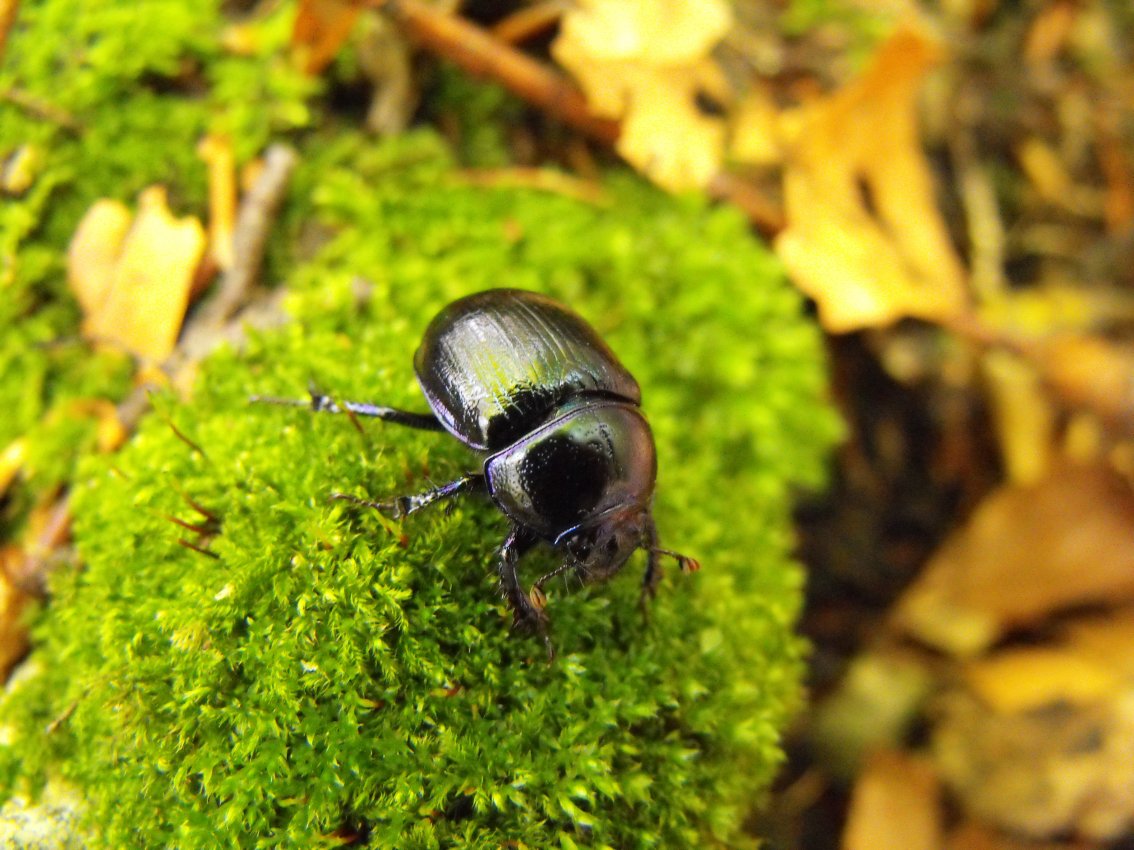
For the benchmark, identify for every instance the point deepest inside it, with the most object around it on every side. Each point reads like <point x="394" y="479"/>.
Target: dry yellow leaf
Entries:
<point x="864" y="236"/>
<point x="647" y="62"/>
<point x="134" y="282"/>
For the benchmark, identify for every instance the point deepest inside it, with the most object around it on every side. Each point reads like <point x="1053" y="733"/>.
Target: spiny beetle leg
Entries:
<point x="321" y="403"/>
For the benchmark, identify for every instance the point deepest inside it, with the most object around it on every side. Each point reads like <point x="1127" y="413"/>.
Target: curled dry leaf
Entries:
<point x="864" y="237"/>
<point x="13" y="629"/>
<point x="1028" y="550"/>
<point x="133" y="277"/>
<point x="647" y="63"/>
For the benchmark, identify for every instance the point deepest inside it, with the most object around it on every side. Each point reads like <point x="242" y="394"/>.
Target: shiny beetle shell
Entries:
<point x="496" y="364"/>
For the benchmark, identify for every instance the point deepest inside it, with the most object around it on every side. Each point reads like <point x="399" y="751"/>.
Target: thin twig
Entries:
<point x="40" y="109"/>
<point x="529" y="21"/>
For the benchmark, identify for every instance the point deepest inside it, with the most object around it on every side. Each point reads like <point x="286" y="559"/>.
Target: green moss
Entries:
<point x="330" y="670"/>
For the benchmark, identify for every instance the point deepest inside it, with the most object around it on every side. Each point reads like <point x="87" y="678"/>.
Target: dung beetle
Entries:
<point x="566" y="453"/>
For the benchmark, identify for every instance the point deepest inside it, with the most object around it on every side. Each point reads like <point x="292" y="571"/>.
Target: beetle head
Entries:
<point x="600" y="547"/>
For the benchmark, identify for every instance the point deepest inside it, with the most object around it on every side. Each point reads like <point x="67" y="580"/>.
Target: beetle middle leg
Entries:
<point x="403" y="506"/>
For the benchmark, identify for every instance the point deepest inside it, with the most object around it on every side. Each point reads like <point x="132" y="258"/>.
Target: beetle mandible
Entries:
<point x="566" y="453"/>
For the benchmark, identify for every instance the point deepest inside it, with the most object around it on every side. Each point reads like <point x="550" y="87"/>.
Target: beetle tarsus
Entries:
<point x="525" y="613"/>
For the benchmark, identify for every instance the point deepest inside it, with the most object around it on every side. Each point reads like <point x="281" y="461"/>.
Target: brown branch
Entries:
<point x="482" y="55"/>
<point x="8" y="11"/>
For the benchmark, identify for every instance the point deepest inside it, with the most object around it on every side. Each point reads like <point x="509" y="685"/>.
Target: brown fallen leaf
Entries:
<point x="647" y="62"/>
<point x="133" y="278"/>
<point x="321" y="28"/>
<point x="1027" y="551"/>
<point x="1089" y="372"/>
<point x="864" y="237"/>
<point x="895" y="805"/>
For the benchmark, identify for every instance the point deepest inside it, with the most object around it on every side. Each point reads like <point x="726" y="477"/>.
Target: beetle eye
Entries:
<point x="579" y="548"/>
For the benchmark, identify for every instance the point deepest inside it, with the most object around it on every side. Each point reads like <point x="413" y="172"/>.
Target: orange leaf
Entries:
<point x="864" y="237"/>
<point x="134" y="284"/>
<point x="321" y="28"/>
<point x="1027" y="551"/>
<point x="894" y="806"/>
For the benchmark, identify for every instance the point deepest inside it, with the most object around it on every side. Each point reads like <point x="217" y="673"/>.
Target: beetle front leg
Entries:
<point x="653" y="574"/>
<point x="321" y="403"/>
<point x="524" y="611"/>
<point x="402" y="506"/>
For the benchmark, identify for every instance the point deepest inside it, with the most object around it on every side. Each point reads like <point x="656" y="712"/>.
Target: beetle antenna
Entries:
<point x="684" y="562"/>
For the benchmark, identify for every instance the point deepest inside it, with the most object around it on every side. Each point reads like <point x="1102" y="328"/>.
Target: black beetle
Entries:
<point x="567" y="455"/>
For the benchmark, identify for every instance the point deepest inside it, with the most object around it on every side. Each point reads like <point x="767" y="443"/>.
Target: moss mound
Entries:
<point x="322" y="676"/>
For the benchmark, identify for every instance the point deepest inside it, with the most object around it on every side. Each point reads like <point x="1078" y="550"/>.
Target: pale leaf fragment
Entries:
<point x="92" y="256"/>
<point x="864" y="236"/>
<point x="1028" y="550"/>
<point x="134" y="284"/>
<point x="220" y="160"/>
<point x="646" y="62"/>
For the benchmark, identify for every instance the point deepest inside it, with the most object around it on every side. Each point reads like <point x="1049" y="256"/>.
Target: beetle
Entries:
<point x="555" y="419"/>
